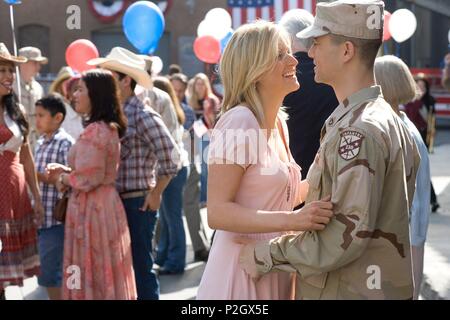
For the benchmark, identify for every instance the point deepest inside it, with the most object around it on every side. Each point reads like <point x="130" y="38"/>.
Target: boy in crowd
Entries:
<point x="52" y="147"/>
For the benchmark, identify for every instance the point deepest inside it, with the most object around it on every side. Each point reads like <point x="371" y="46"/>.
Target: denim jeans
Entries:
<point x="171" y="253"/>
<point x="204" y="169"/>
<point x="142" y="226"/>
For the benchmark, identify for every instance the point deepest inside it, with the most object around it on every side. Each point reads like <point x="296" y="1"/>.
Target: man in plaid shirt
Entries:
<point x="52" y="147"/>
<point x="149" y="159"/>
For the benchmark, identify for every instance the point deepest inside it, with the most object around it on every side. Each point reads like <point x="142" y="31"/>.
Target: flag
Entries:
<point x="244" y="11"/>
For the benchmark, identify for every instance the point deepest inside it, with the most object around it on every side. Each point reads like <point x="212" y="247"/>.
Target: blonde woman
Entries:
<point x="203" y="100"/>
<point x="399" y="87"/>
<point x="254" y="183"/>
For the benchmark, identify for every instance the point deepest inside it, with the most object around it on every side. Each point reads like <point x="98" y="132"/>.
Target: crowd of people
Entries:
<point x="314" y="169"/>
<point x="117" y="144"/>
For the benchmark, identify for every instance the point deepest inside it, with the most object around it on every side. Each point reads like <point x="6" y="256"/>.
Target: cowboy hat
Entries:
<point x="33" y="54"/>
<point x="6" y="56"/>
<point x="126" y="62"/>
<point x="65" y="73"/>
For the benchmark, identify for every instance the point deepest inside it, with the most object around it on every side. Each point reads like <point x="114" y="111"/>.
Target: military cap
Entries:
<point x="361" y="19"/>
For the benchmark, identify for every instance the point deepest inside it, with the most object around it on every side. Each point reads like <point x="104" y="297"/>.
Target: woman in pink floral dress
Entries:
<point x="97" y="252"/>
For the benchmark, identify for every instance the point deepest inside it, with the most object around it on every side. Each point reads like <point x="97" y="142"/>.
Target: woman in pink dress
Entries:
<point x="97" y="252"/>
<point x="19" y="257"/>
<point x="254" y="183"/>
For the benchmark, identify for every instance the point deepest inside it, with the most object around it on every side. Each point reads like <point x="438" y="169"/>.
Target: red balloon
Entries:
<point x="207" y="49"/>
<point x="79" y="52"/>
<point x="386" y="33"/>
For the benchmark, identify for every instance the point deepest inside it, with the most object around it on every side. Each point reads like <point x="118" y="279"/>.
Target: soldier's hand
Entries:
<point x="246" y="258"/>
<point x="313" y="216"/>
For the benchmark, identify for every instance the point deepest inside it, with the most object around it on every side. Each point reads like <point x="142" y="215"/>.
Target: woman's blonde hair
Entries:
<point x="395" y="79"/>
<point x="165" y="85"/>
<point x="252" y="51"/>
<point x="193" y="97"/>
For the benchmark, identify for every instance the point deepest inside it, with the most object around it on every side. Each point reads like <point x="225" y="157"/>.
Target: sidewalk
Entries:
<point x="436" y="284"/>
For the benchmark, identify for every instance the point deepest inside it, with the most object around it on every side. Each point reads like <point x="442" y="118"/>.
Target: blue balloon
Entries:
<point x="225" y="40"/>
<point x="143" y="25"/>
<point x="13" y="1"/>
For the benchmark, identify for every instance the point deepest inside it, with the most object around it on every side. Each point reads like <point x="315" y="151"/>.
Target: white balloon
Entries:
<point x="202" y="29"/>
<point x="449" y="36"/>
<point x="211" y="28"/>
<point x="402" y="25"/>
<point x="157" y="65"/>
<point x="219" y="16"/>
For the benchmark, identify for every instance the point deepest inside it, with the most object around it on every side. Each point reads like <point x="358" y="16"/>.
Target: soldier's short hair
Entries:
<point x="367" y="50"/>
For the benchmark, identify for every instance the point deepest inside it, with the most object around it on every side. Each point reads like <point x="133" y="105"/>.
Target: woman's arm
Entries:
<point x="27" y="161"/>
<point x="225" y="214"/>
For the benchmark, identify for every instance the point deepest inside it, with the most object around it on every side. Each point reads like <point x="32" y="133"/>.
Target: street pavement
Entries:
<point x="436" y="284"/>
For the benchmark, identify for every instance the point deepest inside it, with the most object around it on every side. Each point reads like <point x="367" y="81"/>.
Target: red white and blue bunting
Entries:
<point x="109" y="10"/>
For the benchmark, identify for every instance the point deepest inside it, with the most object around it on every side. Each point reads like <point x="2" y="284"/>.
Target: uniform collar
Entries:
<point x="351" y="102"/>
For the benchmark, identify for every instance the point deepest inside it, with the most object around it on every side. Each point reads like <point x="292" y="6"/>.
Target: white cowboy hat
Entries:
<point x="5" y="55"/>
<point x="126" y="62"/>
<point x="33" y="54"/>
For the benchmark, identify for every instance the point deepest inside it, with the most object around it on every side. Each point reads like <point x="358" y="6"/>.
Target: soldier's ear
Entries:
<point x="349" y="51"/>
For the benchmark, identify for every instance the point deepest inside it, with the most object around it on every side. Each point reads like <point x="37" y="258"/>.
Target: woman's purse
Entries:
<point x="60" y="209"/>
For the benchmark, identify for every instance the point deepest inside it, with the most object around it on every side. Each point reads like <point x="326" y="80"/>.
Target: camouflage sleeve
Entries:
<point x="357" y="164"/>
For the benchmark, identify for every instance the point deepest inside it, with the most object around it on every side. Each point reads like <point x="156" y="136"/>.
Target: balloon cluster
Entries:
<point x="143" y="25"/>
<point x="400" y="25"/>
<point x="213" y="34"/>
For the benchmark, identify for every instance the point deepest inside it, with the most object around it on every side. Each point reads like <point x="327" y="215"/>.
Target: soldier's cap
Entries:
<point x="33" y="54"/>
<point x="361" y="19"/>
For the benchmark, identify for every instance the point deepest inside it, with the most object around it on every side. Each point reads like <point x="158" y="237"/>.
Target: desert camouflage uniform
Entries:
<point x="368" y="163"/>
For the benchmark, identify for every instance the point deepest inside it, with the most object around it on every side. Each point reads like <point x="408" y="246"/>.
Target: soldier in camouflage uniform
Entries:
<point x="367" y="161"/>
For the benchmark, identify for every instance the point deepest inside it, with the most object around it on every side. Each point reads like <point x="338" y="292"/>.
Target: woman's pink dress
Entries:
<point x="97" y="251"/>
<point x="268" y="184"/>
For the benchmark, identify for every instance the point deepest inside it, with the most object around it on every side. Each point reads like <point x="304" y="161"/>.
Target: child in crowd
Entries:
<point x="52" y="147"/>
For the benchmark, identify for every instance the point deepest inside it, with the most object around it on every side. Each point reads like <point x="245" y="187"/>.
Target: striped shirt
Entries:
<point x="147" y="149"/>
<point x="52" y="150"/>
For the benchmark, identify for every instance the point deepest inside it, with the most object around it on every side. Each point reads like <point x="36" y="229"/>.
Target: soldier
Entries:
<point x="31" y="90"/>
<point x="364" y="162"/>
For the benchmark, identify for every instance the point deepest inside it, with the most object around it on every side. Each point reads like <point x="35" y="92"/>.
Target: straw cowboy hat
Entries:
<point x="65" y="73"/>
<point x="126" y="62"/>
<point x="6" y="56"/>
<point x="33" y="54"/>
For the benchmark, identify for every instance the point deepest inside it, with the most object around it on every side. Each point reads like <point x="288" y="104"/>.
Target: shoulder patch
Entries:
<point x="350" y="144"/>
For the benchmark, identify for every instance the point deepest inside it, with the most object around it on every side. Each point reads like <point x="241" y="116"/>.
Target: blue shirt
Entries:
<point x="420" y="209"/>
<point x="52" y="150"/>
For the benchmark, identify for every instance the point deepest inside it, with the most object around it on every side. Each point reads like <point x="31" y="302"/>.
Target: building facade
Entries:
<point x="44" y="24"/>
